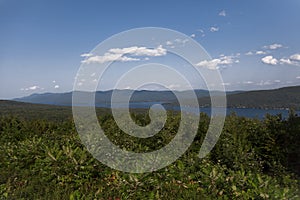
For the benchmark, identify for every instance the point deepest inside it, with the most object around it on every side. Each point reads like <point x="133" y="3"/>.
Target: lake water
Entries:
<point x="243" y="112"/>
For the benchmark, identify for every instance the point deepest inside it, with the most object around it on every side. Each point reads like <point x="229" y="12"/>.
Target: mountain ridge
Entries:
<point x="285" y="97"/>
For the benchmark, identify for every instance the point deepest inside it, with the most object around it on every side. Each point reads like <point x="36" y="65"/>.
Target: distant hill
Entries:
<point x="104" y="97"/>
<point x="286" y="97"/>
<point x="30" y="111"/>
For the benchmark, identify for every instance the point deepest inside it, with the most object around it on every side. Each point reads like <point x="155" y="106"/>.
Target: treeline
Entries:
<point x="253" y="159"/>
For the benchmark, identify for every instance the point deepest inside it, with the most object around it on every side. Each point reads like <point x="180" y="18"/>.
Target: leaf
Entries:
<point x="51" y="156"/>
<point x="233" y="188"/>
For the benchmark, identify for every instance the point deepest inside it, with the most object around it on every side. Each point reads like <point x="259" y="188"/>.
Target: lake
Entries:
<point x="243" y="112"/>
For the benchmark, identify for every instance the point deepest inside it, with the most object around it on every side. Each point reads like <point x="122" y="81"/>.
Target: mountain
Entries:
<point x="286" y="97"/>
<point x="48" y="98"/>
<point x="104" y="97"/>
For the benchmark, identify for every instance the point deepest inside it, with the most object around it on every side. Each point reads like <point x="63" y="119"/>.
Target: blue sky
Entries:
<point x="255" y="44"/>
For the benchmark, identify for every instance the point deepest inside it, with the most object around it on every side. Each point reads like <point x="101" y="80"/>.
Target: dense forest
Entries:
<point x="42" y="158"/>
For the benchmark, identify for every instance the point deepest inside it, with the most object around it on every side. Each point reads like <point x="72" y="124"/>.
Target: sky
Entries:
<point x="254" y="44"/>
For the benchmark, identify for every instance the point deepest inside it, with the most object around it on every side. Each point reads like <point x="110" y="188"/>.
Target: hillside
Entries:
<point x="287" y="97"/>
<point x="29" y="111"/>
<point x="279" y="98"/>
<point x="104" y="97"/>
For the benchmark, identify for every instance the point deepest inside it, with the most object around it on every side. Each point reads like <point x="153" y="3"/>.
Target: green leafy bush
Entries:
<point x="44" y="159"/>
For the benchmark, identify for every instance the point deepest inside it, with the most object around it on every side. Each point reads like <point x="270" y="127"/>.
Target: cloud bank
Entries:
<point x="124" y="54"/>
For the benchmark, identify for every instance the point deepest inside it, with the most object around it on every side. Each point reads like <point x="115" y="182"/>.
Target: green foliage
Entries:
<point x="44" y="159"/>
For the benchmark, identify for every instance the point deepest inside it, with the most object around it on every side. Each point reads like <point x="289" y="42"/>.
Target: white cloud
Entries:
<point x="56" y="86"/>
<point x="292" y="60"/>
<point x="108" y="57"/>
<point x="298" y="77"/>
<point x="277" y="81"/>
<point x="181" y="41"/>
<point x="273" y="46"/>
<point x="202" y="32"/>
<point x="32" y="88"/>
<point x="35" y="87"/>
<point x="261" y="83"/>
<point x="225" y="84"/>
<point x="120" y="54"/>
<point x="211" y="64"/>
<point x="248" y="82"/>
<point x="222" y="13"/>
<point x="193" y="35"/>
<point x="174" y="86"/>
<point x="53" y="81"/>
<point x="260" y="52"/>
<point x="86" y="55"/>
<point x="270" y="60"/>
<point x="169" y="43"/>
<point x="128" y="88"/>
<point x="140" y="51"/>
<point x="217" y="62"/>
<point x="286" y="61"/>
<point x="214" y="29"/>
<point x="295" y="57"/>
